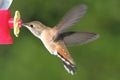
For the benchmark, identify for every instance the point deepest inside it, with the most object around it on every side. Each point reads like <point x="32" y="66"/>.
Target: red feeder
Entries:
<point x="6" y="23"/>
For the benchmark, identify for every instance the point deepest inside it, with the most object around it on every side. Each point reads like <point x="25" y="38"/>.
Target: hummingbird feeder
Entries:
<point x="7" y="22"/>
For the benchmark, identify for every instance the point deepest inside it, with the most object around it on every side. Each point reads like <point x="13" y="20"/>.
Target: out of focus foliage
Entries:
<point x="27" y="58"/>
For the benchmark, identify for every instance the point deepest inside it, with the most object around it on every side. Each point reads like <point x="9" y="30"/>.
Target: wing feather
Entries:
<point x="72" y="17"/>
<point x="77" y="38"/>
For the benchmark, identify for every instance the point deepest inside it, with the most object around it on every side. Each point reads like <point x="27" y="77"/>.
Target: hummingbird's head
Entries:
<point x="35" y="27"/>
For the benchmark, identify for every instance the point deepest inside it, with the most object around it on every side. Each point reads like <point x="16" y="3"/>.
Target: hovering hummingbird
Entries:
<point x="56" y="39"/>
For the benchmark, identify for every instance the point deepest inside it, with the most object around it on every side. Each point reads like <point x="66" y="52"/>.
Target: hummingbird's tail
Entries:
<point x="67" y="60"/>
<point x="71" y="68"/>
<point x="68" y="63"/>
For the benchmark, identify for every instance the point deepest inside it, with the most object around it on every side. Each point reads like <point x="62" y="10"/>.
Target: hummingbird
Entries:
<point x="57" y="39"/>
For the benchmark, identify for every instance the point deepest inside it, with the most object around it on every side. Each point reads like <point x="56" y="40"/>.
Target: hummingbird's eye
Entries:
<point x="31" y="26"/>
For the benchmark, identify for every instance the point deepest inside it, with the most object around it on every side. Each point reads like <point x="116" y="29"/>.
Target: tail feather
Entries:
<point x="71" y="68"/>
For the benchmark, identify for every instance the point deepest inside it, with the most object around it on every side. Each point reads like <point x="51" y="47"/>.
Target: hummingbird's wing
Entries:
<point x="71" y="18"/>
<point x="77" y="38"/>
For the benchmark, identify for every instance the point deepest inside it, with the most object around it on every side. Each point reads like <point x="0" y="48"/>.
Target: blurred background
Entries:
<point x="28" y="59"/>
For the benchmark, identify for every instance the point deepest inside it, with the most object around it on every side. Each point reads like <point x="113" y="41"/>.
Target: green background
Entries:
<point x="27" y="58"/>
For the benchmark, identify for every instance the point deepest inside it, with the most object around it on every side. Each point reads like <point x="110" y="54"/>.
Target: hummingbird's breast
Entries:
<point x="46" y="37"/>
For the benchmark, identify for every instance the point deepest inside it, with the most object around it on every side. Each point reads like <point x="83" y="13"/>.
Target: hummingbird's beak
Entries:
<point x="25" y="24"/>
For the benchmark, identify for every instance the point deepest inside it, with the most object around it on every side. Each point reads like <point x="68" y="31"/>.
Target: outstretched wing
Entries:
<point x="72" y="17"/>
<point x="77" y="38"/>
